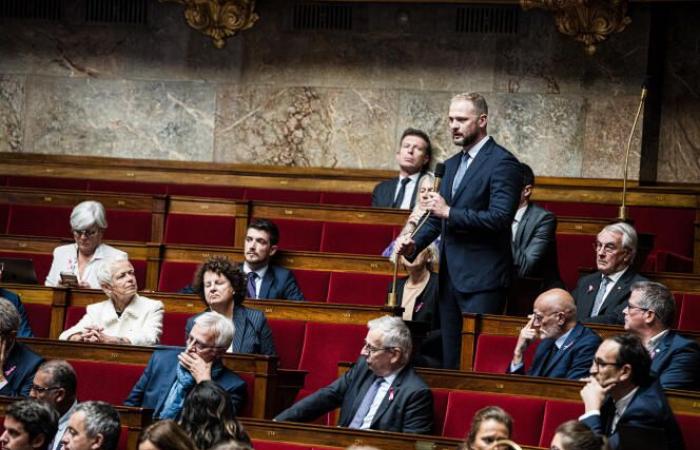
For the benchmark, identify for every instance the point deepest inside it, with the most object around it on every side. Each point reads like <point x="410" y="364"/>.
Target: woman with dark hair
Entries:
<point x="489" y="426"/>
<point x="165" y="435"/>
<point x="222" y="287"/>
<point x="209" y="419"/>
<point x="574" y="435"/>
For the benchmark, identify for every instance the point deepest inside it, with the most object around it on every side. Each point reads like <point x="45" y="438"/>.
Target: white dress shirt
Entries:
<point x="614" y="277"/>
<point x="62" y="425"/>
<point x="65" y="259"/>
<point x="409" y="190"/>
<point x="378" y="398"/>
<point x="258" y="280"/>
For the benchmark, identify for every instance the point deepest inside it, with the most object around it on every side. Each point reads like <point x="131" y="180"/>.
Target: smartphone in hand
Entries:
<point x="69" y="279"/>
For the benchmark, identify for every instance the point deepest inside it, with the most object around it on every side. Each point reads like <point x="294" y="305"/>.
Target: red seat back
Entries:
<point x="39" y="319"/>
<point x="92" y="376"/>
<point x="174" y="328"/>
<point x="440" y="399"/>
<point x="199" y="229"/>
<point x="36" y="220"/>
<point x="690" y="428"/>
<point x="4" y="216"/>
<point x="42" y="262"/>
<point x="302" y="235"/>
<point x="72" y="184"/>
<point x="175" y="275"/>
<point x="356" y="238"/>
<point x="675" y="233"/>
<point x="576" y="251"/>
<point x="136" y="187"/>
<point x="579" y="209"/>
<point x="250" y="394"/>
<point x="557" y="412"/>
<point x="123" y="438"/>
<point x="313" y="283"/>
<point x="203" y="190"/>
<point x="129" y="226"/>
<point x="358" y="288"/>
<point x="494" y="353"/>
<point x="282" y="195"/>
<point x="288" y="336"/>
<point x="689" y="317"/>
<point x="346" y="198"/>
<point x="73" y="316"/>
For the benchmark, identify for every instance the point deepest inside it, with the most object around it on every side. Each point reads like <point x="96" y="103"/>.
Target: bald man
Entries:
<point x="566" y="348"/>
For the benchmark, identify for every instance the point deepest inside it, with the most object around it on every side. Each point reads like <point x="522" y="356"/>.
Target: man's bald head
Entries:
<point x="555" y="313"/>
<point x="557" y="300"/>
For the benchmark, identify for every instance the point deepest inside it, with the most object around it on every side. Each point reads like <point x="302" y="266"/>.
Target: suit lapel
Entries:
<point x="266" y="283"/>
<point x="589" y="298"/>
<point x="538" y="366"/>
<point x="520" y="232"/>
<point x="364" y="387"/>
<point x="619" y="290"/>
<point x="661" y="352"/>
<point x="554" y="360"/>
<point x="475" y="166"/>
<point x="389" y="397"/>
<point x="239" y="324"/>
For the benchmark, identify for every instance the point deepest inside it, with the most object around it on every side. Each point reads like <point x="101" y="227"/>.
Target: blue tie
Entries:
<point x="366" y="404"/>
<point x="461" y="170"/>
<point x="251" y="284"/>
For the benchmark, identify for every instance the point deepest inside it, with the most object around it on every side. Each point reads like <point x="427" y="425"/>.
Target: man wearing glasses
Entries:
<point x="620" y="394"/>
<point x="380" y="392"/>
<point x="17" y="362"/>
<point x="165" y="389"/>
<point x="601" y="296"/>
<point x="55" y="384"/>
<point x="675" y="360"/>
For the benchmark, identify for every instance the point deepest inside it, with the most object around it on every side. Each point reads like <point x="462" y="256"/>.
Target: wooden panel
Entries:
<point x="329" y="213"/>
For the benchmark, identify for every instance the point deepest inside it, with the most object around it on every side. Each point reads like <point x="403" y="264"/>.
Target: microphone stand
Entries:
<point x="622" y="215"/>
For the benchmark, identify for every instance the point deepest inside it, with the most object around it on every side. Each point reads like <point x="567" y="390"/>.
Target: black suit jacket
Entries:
<point x="676" y="362"/>
<point x="425" y="308"/>
<point x="535" y="247"/>
<point x="383" y="193"/>
<point x="476" y="238"/>
<point x="279" y="283"/>
<point x="19" y="369"/>
<point x="406" y="408"/>
<point x="611" y="312"/>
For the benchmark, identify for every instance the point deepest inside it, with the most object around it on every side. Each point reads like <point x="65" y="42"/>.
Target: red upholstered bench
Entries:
<point x="42" y="262"/>
<point x="129" y="226"/>
<point x="39" y="319"/>
<point x="689" y="317"/>
<point x="527" y="413"/>
<point x="666" y="261"/>
<point x="690" y="428"/>
<point x="288" y="336"/>
<point x="199" y="229"/>
<point x="203" y="190"/>
<point x="73" y="316"/>
<point x="72" y="184"/>
<point x="346" y="198"/>
<point x="36" y="220"/>
<point x="123" y="443"/>
<point x="282" y="195"/>
<point x="135" y="187"/>
<point x="174" y="328"/>
<point x="575" y="250"/>
<point x="358" y="288"/>
<point x="302" y="235"/>
<point x="440" y="399"/>
<point x="92" y="376"/>
<point x="557" y="412"/>
<point x="494" y="353"/>
<point x="673" y="228"/>
<point x="250" y="394"/>
<point x="175" y="275"/>
<point x="679" y="297"/>
<point x="313" y="283"/>
<point x="360" y="238"/>
<point x="578" y="209"/>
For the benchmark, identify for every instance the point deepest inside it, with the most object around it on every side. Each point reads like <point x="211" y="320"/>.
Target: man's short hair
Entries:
<point x="576" y="435"/>
<point x="9" y="317"/>
<point x="223" y="327"/>
<point x="632" y="352"/>
<point x="476" y="99"/>
<point x="101" y="418"/>
<point x="37" y="418"/>
<point x="629" y="236"/>
<point x="657" y="298"/>
<point x="423" y="135"/>
<point x="62" y="375"/>
<point x="528" y="175"/>
<point x="267" y="226"/>
<point x="395" y="333"/>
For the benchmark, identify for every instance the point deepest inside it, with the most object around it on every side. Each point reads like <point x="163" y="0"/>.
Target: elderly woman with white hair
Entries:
<point x="88" y="222"/>
<point x="125" y="317"/>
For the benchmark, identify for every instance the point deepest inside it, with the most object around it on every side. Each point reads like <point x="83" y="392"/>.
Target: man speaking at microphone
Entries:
<point x="473" y="211"/>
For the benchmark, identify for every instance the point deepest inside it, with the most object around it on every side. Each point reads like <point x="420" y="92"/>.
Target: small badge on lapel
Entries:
<point x="590" y="289"/>
<point x="9" y="371"/>
<point x="419" y="306"/>
<point x="391" y="393"/>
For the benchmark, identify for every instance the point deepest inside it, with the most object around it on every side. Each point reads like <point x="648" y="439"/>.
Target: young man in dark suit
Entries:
<point x="473" y="212"/>
<point x="17" y="362"/>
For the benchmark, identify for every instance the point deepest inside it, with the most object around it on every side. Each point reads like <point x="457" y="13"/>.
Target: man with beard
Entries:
<point x="473" y="212"/>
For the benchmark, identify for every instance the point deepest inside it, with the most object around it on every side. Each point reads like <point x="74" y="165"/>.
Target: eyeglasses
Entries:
<point x="608" y="249"/>
<point x="198" y="346"/>
<point x="599" y="363"/>
<point x="631" y="306"/>
<point x="40" y="389"/>
<point x="87" y="233"/>
<point x="372" y="349"/>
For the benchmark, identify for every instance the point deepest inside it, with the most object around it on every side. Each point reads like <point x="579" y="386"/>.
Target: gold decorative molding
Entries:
<point x="588" y="21"/>
<point x="219" y="19"/>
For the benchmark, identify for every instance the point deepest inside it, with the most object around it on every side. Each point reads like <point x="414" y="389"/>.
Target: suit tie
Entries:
<point x="402" y="193"/>
<point x="600" y="296"/>
<point x="461" y="170"/>
<point x="548" y="359"/>
<point x="366" y="404"/>
<point x="251" y="284"/>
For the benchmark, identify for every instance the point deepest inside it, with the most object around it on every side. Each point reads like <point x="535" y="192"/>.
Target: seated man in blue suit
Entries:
<point x="171" y="372"/>
<point x="620" y="393"/>
<point x="266" y="280"/>
<point x="567" y="346"/>
<point x="675" y="360"/>
<point x="380" y="392"/>
<point x="24" y="329"/>
<point x="17" y="362"/>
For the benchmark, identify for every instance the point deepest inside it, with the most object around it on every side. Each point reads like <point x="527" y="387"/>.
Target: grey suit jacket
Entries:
<point x="535" y="247"/>
<point x="611" y="312"/>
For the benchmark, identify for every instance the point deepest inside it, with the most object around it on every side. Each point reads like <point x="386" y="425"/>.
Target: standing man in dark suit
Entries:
<point x="473" y="211"/>
<point x="266" y="280"/>
<point x="534" y="238"/>
<point x="380" y="392"/>
<point x="675" y="360"/>
<point x="601" y="296"/>
<point x="567" y="347"/>
<point x="17" y="362"/>
<point x="621" y="393"/>
<point x="413" y="158"/>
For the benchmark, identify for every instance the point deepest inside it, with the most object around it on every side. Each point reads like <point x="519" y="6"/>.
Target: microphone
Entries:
<point x="439" y="173"/>
<point x="622" y="214"/>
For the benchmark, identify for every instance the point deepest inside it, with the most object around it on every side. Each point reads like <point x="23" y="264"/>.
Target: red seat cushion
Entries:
<point x="288" y="336"/>
<point x="203" y="190"/>
<point x="123" y="439"/>
<point x="199" y="229"/>
<point x="313" y="283"/>
<point x="494" y="353"/>
<point x="42" y="262"/>
<point x="527" y="414"/>
<point x="282" y="195"/>
<point x="39" y="319"/>
<point x="325" y="345"/>
<point x="557" y="412"/>
<point x="175" y="275"/>
<point x="577" y="251"/>
<point x="358" y="288"/>
<point x="357" y="238"/>
<point x="73" y="316"/>
<point x="35" y="220"/>
<point x="346" y="198"/>
<point x="304" y="235"/>
<point x="72" y="184"/>
<point x="127" y="186"/>
<point x="689" y="317"/>
<point x="129" y="226"/>
<point x="140" y="268"/>
<point x="675" y="233"/>
<point x="440" y="398"/>
<point x="249" y="379"/>
<point x="690" y="428"/>
<point x="92" y="376"/>
<point x="174" y="328"/>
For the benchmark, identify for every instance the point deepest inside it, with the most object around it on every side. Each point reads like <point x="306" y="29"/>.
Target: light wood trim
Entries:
<point x="329" y="213"/>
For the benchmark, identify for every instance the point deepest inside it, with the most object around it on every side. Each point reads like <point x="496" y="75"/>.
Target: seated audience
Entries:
<point x="601" y="296"/>
<point x="534" y="239"/>
<point x="125" y="317"/>
<point x="675" y="360"/>
<point x="24" y="329"/>
<point x="417" y="294"/>
<point x="171" y="373"/>
<point x="209" y="419"/>
<point x="93" y="426"/>
<point x="165" y="435"/>
<point x="221" y="285"/>
<point x="567" y="346"/>
<point x="29" y="425"/>
<point x="489" y="426"/>
<point x="574" y="435"/>
<point x="621" y="393"/>
<point x="380" y="392"/>
<point x="17" y="362"/>
<point x="413" y="158"/>
<point x="55" y="384"/>
<point x="89" y="222"/>
<point x="265" y="280"/>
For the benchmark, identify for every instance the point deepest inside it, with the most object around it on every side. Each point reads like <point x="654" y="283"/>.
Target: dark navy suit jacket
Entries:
<point x="611" y="312"/>
<point x="252" y="333"/>
<point x="476" y="238"/>
<point x="383" y="194"/>
<point x="154" y="385"/>
<point x="24" y="329"/>
<point x="19" y="369"/>
<point x="676" y="362"/>
<point x="572" y="360"/>
<point x="279" y="283"/>
<point x="647" y="409"/>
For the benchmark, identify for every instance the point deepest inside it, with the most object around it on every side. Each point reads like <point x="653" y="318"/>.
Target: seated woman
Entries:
<point x="574" y="435"/>
<point x="165" y="435"/>
<point x="125" y="317"/>
<point x="418" y="293"/>
<point x="81" y="259"/>
<point x="490" y="425"/>
<point x="222" y="287"/>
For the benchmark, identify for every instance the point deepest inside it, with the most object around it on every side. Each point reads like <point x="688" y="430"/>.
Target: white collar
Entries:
<point x="520" y="213"/>
<point x="562" y="339"/>
<point x="616" y="276"/>
<point x="261" y="272"/>
<point x="477" y="147"/>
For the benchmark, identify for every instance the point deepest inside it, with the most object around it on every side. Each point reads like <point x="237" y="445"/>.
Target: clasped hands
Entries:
<point x="96" y="335"/>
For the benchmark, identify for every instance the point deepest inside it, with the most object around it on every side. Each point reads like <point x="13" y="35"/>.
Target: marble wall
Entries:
<point x="337" y="99"/>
